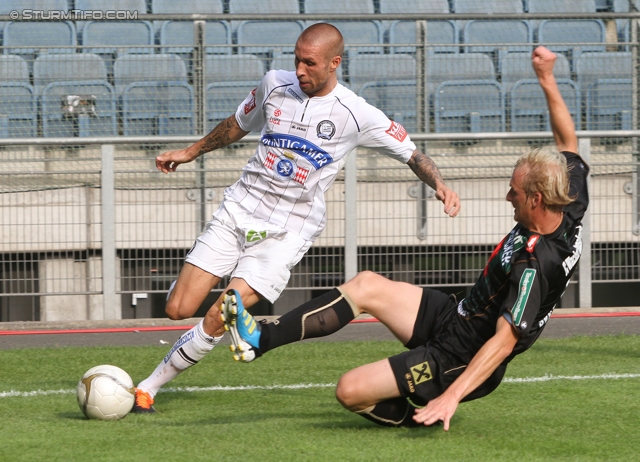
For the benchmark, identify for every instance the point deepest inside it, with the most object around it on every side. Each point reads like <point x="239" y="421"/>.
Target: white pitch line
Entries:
<point x="301" y="386"/>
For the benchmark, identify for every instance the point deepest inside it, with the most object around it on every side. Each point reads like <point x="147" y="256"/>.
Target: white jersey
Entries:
<point x="304" y="143"/>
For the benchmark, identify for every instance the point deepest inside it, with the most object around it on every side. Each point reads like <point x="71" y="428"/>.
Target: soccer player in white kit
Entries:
<point x="269" y="218"/>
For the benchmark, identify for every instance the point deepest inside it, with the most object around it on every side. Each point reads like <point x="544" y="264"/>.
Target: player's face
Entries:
<point x="518" y="198"/>
<point x="313" y="69"/>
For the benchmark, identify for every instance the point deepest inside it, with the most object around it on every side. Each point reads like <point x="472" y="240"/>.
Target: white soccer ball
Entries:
<point x="105" y="393"/>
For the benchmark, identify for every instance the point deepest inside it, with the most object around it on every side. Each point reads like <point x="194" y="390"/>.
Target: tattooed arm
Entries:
<point x="428" y="172"/>
<point x="226" y="132"/>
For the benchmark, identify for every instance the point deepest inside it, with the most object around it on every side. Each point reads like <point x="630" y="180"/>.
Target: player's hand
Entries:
<point x="437" y="410"/>
<point x="450" y="200"/>
<point x="543" y="60"/>
<point x="169" y="161"/>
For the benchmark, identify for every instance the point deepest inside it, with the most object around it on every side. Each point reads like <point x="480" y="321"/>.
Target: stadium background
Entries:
<point x="89" y="229"/>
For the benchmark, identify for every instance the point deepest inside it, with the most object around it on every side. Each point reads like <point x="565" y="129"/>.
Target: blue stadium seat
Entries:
<point x="517" y="66"/>
<point x="155" y="96"/>
<point x="360" y="37"/>
<point x="229" y="80"/>
<point x="417" y="7"/>
<point x="371" y="68"/>
<point x="487" y="6"/>
<point x="54" y="37"/>
<point x="512" y="35"/>
<point x="447" y="67"/>
<point x="561" y="6"/>
<point x="83" y="76"/>
<point x="18" y="117"/>
<point x="177" y="37"/>
<point x="108" y="5"/>
<point x="465" y="93"/>
<point x="526" y="103"/>
<point x="264" y="7"/>
<point x="469" y="106"/>
<point x="185" y="6"/>
<point x="268" y="39"/>
<point x="572" y="37"/>
<point x="605" y="80"/>
<point x="328" y="7"/>
<point x="442" y="37"/>
<point x="110" y="39"/>
<point x="396" y="98"/>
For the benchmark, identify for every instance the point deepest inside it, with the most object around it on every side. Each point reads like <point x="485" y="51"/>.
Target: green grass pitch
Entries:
<point x="589" y="410"/>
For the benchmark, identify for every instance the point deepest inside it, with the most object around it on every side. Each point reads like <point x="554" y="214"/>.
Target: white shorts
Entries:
<point x="236" y="244"/>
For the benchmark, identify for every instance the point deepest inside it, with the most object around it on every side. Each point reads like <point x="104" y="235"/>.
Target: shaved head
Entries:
<point x="326" y="36"/>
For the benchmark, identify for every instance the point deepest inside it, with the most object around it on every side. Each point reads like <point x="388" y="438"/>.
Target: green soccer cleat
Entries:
<point x="244" y="330"/>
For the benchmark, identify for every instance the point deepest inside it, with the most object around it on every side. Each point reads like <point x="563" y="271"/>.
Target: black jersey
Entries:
<point x="525" y="276"/>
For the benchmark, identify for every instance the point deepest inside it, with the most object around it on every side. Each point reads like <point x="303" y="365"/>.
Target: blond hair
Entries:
<point x="547" y="174"/>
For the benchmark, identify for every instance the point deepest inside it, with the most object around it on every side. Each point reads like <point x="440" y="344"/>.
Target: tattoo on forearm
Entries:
<point x="222" y="135"/>
<point x="425" y="169"/>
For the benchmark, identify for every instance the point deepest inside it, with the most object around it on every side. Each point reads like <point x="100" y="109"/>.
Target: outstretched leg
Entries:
<point x="194" y="344"/>
<point x="395" y="304"/>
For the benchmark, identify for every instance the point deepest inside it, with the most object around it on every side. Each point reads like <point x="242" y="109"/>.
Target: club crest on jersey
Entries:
<point x="286" y="169"/>
<point x="325" y="130"/>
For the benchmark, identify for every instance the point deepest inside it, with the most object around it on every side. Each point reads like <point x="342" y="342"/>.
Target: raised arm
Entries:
<point x="483" y="364"/>
<point x="225" y="133"/>
<point x="564" y="131"/>
<point x="428" y="172"/>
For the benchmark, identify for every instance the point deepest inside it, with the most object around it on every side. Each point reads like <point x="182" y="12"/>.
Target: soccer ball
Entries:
<point x="105" y="393"/>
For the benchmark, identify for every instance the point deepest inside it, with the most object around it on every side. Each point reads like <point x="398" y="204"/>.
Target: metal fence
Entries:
<point x="93" y="231"/>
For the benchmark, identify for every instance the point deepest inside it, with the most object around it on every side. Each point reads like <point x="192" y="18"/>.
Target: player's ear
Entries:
<point x="335" y="63"/>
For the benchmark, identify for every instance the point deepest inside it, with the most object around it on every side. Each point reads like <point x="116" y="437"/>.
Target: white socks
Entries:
<point x="190" y="348"/>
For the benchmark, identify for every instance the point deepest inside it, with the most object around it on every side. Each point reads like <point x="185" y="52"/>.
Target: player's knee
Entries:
<point x="348" y="393"/>
<point x="175" y="311"/>
<point x="366" y="283"/>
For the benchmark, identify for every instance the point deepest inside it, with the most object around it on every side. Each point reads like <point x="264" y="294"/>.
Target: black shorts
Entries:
<point x="425" y="372"/>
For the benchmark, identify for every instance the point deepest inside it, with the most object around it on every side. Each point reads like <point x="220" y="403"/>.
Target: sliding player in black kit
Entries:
<point x="457" y="351"/>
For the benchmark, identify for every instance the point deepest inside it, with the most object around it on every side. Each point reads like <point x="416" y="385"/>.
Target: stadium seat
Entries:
<point x="372" y="68"/>
<point x="188" y="6"/>
<point x="487" y="6"/>
<point x="561" y="6"/>
<point x="264" y="7"/>
<point x="360" y="37"/>
<point x="18" y="118"/>
<point x="82" y="77"/>
<point x="351" y="7"/>
<point x="469" y="106"/>
<point x="446" y="67"/>
<point x="109" y="5"/>
<point x="155" y="96"/>
<point x="605" y="81"/>
<point x="517" y="66"/>
<point x="417" y="7"/>
<point x="396" y="98"/>
<point x="110" y="39"/>
<point x="268" y="39"/>
<point x="527" y="106"/>
<point x="442" y="37"/>
<point x="229" y="80"/>
<point x="465" y="93"/>
<point x="39" y="37"/>
<point x="177" y="37"/>
<point x="512" y="35"/>
<point x="572" y="37"/>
